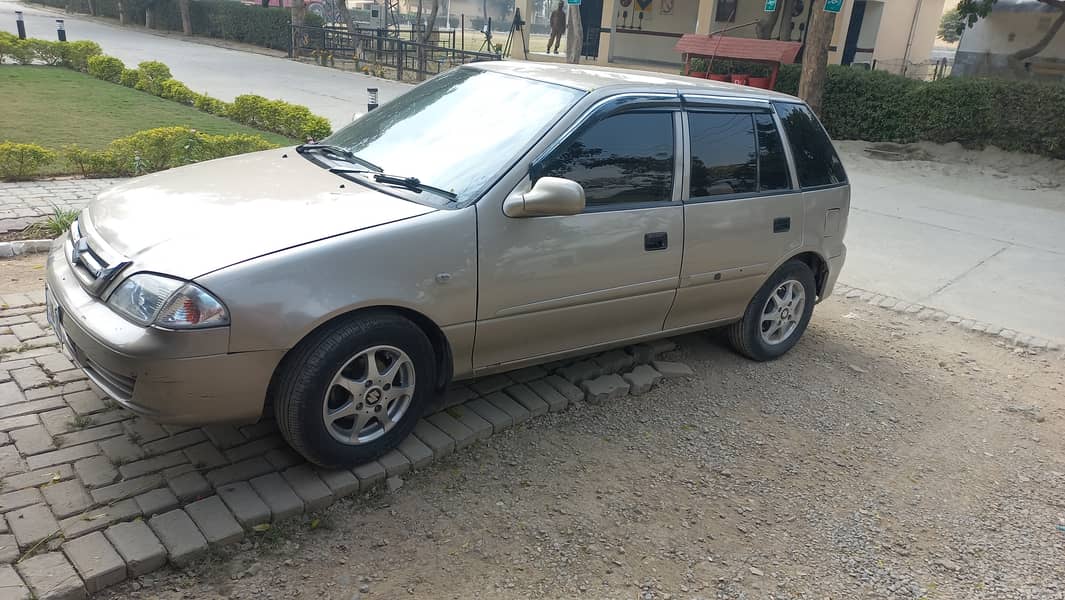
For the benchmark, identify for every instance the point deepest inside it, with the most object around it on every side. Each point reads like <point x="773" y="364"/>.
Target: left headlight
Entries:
<point x="148" y="299"/>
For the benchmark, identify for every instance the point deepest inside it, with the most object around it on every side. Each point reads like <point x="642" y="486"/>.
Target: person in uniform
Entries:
<point x="558" y="26"/>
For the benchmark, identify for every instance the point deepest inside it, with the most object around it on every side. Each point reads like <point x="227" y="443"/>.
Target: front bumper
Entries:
<point x="185" y="377"/>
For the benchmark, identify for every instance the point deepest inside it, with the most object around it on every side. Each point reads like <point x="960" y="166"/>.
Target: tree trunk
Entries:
<point x="186" y="17"/>
<point x="574" y="35"/>
<point x="299" y="10"/>
<point x="431" y="24"/>
<point x="121" y="12"/>
<point x="815" y="56"/>
<point x="92" y="7"/>
<point x="70" y="6"/>
<point x="1016" y="59"/>
<point x="148" y="15"/>
<point x="786" y="19"/>
<point x="345" y="15"/>
<point x="763" y="29"/>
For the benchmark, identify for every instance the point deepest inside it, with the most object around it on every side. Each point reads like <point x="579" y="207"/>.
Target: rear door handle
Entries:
<point x="781" y="224"/>
<point x="658" y="240"/>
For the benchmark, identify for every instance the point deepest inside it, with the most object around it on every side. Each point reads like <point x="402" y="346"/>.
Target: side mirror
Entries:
<point x="549" y="197"/>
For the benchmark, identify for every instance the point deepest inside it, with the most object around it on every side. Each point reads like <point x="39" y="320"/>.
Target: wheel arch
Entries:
<point x="818" y="264"/>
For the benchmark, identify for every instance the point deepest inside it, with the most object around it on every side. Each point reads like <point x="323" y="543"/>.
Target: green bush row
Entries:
<point x="143" y="152"/>
<point x="876" y="106"/>
<point x="72" y="55"/>
<point x="278" y="116"/>
<point x="225" y="19"/>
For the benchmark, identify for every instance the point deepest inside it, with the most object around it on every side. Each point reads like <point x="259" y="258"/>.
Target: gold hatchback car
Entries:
<point x="497" y="216"/>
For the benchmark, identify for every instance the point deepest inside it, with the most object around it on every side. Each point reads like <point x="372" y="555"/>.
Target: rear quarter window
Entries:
<point x="816" y="161"/>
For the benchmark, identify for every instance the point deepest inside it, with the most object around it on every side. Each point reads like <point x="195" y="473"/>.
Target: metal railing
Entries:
<point x="377" y="47"/>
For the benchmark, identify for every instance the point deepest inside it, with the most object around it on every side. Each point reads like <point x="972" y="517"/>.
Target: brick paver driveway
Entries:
<point x="92" y="494"/>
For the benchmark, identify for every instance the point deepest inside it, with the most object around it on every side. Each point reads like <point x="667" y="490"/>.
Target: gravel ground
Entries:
<point x="882" y="458"/>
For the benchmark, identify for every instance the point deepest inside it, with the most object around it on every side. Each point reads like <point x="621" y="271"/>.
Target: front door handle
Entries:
<point x="658" y="240"/>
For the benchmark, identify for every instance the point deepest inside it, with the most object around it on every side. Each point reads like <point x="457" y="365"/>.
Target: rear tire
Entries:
<point x="354" y="389"/>
<point x="778" y="314"/>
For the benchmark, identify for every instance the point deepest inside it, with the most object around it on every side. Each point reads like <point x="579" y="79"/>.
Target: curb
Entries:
<point x="1020" y="341"/>
<point x="13" y="249"/>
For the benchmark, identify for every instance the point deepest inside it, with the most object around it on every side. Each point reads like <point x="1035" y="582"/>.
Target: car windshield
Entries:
<point x="457" y="131"/>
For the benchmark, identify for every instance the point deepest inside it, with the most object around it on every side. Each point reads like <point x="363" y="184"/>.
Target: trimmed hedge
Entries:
<point x="290" y="120"/>
<point x="225" y="19"/>
<point x="72" y="55"/>
<point x="876" y="106"/>
<point x="22" y="161"/>
<point x="158" y="149"/>
<point x="107" y="68"/>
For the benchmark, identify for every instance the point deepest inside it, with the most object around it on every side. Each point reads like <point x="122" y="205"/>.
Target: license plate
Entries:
<point x="54" y="314"/>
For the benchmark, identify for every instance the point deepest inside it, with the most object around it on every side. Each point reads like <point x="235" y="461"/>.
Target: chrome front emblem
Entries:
<point x="82" y="245"/>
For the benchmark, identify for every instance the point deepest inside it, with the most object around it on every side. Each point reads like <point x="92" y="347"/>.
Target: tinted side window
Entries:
<point x="723" y="154"/>
<point x="816" y="161"/>
<point x="623" y="158"/>
<point x="772" y="164"/>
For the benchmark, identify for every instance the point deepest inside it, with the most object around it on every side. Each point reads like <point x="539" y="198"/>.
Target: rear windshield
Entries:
<point x="816" y="161"/>
<point x="459" y="130"/>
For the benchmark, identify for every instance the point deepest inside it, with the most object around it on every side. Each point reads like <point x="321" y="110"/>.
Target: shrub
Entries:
<point x="7" y="45"/>
<point x="210" y="105"/>
<point x="130" y="77"/>
<point x="22" y="161"/>
<point x="168" y="147"/>
<point x="59" y="221"/>
<point x="107" y="68"/>
<point x="291" y="120"/>
<point x="23" y="52"/>
<point x="76" y="55"/>
<point x="172" y="89"/>
<point x="45" y="51"/>
<point x="152" y="74"/>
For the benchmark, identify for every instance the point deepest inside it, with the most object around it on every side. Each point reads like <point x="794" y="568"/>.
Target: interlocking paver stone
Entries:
<point x="97" y="519"/>
<point x="480" y="427"/>
<point x="32" y="524"/>
<point x="175" y="442"/>
<point x="247" y="507"/>
<point x="12" y="585"/>
<point x="152" y="465"/>
<point x="143" y="431"/>
<point x="63" y="455"/>
<point x="93" y="434"/>
<point x="564" y="387"/>
<point x="179" y="534"/>
<point x="137" y="546"/>
<point x="189" y="486"/>
<point x="156" y="502"/>
<point x="9" y="423"/>
<point x="33" y="440"/>
<point x="278" y="495"/>
<point x="462" y="435"/>
<point x="492" y="383"/>
<point x="607" y="387"/>
<point x="126" y="489"/>
<point x="31" y="408"/>
<point x="50" y="576"/>
<point x="283" y="458"/>
<point x="215" y="521"/>
<point x="67" y="498"/>
<point x="642" y="379"/>
<point x="86" y="402"/>
<point x="20" y="499"/>
<point x="245" y="469"/>
<point x="416" y="451"/>
<point x="672" y="369"/>
<point x="369" y="474"/>
<point x="27" y="331"/>
<point x="662" y="346"/>
<point x="58" y="421"/>
<point x="614" y="361"/>
<point x="528" y="374"/>
<point x="55" y="363"/>
<point x="8" y="550"/>
<point x="258" y="447"/>
<point x="489" y="412"/>
<point x="394" y="463"/>
<point x="11" y="462"/>
<point x="580" y="371"/>
<point x="529" y="399"/>
<point x="10" y="393"/>
<point x="205" y="456"/>
<point x="342" y="483"/>
<point x="556" y="402"/>
<point x="97" y="562"/>
<point x="30" y="377"/>
<point x="441" y="443"/>
<point x="505" y="403"/>
<point x="96" y="471"/>
<point x="223" y="436"/>
<point x="315" y="494"/>
<point x="641" y="353"/>
<point x="457" y="394"/>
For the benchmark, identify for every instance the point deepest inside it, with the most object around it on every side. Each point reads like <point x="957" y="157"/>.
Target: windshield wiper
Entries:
<point x="411" y="183"/>
<point x="338" y="151"/>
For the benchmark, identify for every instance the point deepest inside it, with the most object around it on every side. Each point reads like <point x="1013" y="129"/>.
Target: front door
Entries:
<point x="552" y="284"/>
<point x="742" y="214"/>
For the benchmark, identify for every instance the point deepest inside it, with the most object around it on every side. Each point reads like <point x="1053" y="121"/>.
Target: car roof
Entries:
<point x="590" y="78"/>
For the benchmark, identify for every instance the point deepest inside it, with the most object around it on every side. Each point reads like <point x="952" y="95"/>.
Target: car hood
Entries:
<point x="196" y="219"/>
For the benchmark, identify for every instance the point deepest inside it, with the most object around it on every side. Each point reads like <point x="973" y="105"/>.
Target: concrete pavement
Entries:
<point x="220" y="72"/>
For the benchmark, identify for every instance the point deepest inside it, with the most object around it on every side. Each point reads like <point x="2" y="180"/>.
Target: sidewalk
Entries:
<point x="23" y="203"/>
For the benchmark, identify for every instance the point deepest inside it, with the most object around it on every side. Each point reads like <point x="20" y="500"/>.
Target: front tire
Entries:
<point x="778" y="314"/>
<point x="353" y="390"/>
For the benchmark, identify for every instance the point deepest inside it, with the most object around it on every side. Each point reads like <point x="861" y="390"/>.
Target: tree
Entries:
<point x="971" y="11"/>
<point x="951" y="26"/>
<point x="574" y="35"/>
<point x="763" y="29"/>
<point x="345" y="15"/>
<point x="186" y="17"/>
<point x="815" y="56"/>
<point x="299" y="11"/>
<point x="433" y="10"/>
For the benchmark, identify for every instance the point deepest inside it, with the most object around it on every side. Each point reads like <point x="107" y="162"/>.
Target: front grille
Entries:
<point x="92" y="269"/>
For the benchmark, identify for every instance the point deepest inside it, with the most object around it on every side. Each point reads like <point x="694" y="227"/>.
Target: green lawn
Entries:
<point x="53" y="106"/>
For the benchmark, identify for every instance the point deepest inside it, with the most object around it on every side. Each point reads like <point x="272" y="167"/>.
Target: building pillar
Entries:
<point x="705" y="21"/>
<point x="606" y="52"/>
<point x="839" y="31"/>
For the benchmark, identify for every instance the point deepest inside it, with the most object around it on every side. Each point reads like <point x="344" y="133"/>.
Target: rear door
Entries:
<point x="743" y="211"/>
